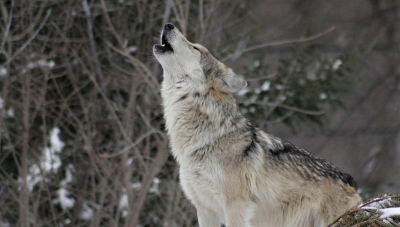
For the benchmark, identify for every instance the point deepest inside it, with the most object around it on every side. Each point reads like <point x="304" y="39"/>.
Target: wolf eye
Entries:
<point x="196" y="48"/>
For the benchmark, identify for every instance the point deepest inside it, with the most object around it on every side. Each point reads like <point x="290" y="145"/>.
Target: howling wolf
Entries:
<point x="235" y="174"/>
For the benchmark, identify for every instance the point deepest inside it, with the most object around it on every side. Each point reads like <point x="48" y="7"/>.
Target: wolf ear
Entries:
<point x="230" y="82"/>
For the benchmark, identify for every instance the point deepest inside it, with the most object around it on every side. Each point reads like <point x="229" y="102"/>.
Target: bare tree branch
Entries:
<point x="29" y="40"/>
<point x="281" y="42"/>
<point x="7" y="27"/>
<point x="293" y="108"/>
<point x="93" y="48"/>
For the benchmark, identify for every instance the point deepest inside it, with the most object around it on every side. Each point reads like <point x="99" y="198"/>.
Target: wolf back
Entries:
<point x="234" y="173"/>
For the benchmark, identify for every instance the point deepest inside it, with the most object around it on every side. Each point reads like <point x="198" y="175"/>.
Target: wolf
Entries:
<point x="235" y="174"/>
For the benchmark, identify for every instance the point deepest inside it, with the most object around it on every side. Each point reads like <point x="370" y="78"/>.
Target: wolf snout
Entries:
<point x="168" y="26"/>
<point x="166" y="31"/>
<point x="165" y="45"/>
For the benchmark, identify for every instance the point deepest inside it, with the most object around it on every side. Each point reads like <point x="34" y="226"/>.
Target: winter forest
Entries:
<point x="82" y="139"/>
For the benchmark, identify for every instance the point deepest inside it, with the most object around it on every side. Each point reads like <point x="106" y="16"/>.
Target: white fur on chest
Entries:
<point x="201" y="184"/>
<point x="191" y="122"/>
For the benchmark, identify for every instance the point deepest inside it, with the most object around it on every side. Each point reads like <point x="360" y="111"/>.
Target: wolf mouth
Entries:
<point x="165" y="46"/>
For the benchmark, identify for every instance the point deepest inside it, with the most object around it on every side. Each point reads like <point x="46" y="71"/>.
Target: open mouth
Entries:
<point x="165" y="46"/>
<point x="164" y="42"/>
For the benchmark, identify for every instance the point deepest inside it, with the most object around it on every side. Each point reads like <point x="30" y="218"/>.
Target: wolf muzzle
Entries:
<point x="165" y="44"/>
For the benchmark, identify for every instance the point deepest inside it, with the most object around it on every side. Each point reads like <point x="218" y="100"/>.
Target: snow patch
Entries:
<point x="68" y="175"/>
<point x="10" y="112"/>
<point x="390" y="212"/>
<point x="41" y="63"/>
<point x="132" y="49"/>
<point x="87" y="212"/>
<point x="50" y="160"/>
<point x="379" y="203"/>
<point x="55" y="143"/>
<point x="123" y="201"/>
<point x="243" y="92"/>
<point x="3" y="72"/>
<point x="129" y="161"/>
<point x="279" y="87"/>
<point x="63" y="199"/>
<point x="281" y="98"/>
<point x="336" y="64"/>
<point x="136" y="185"/>
<point x="266" y="85"/>
<point x="154" y="188"/>
<point x="33" y="177"/>
<point x="124" y="213"/>
<point x="63" y="194"/>
<point x="253" y="99"/>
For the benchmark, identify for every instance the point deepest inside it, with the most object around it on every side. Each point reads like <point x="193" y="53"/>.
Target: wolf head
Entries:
<point x="193" y="65"/>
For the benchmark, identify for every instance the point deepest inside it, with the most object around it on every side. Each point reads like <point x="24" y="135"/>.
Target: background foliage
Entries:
<point x="81" y="129"/>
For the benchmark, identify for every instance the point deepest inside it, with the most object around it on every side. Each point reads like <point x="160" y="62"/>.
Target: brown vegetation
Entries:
<point x="82" y="139"/>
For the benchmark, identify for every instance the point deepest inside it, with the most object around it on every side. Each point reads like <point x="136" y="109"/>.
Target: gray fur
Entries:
<point x="234" y="173"/>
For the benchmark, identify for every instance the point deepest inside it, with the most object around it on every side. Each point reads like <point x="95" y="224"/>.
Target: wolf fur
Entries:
<point x="235" y="174"/>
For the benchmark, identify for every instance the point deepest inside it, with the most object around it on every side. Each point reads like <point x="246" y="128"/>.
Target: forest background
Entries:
<point x="82" y="140"/>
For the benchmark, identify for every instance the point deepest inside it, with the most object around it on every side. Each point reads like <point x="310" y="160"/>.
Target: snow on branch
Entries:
<point x="381" y="211"/>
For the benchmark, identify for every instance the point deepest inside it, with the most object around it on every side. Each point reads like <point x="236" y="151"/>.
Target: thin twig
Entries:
<point x="298" y="40"/>
<point x="120" y="126"/>
<point x="103" y="6"/>
<point x="167" y="11"/>
<point x="282" y="42"/>
<point x="146" y="121"/>
<point x="92" y="44"/>
<point x="113" y="113"/>
<point x="8" y="27"/>
<point x="159" y="160"/>
<point x="392" y="222"/>
<point x="280" y="119"/>
<point x="28" y="41"/>
<point x="142" y="68"/>
<point x="133" y="144"/>
<point x="31" y="26"/>
<point x="293" y="108"/>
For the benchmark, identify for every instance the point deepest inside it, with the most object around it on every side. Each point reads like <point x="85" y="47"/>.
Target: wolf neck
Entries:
<point x="197" y="117"/>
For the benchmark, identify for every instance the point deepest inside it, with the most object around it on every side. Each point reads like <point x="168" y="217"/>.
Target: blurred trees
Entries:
<point x="82" y="133"/>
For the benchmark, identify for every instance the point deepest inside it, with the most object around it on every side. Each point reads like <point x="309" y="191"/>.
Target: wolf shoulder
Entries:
<point x="283" y="156"/>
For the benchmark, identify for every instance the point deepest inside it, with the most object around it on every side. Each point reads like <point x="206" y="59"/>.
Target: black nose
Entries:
<point x="169" y="26"/>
